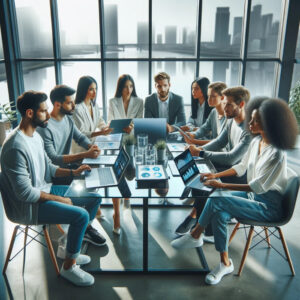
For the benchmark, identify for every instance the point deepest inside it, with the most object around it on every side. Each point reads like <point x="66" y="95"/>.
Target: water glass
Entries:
<point x="142" y="140"/>
<point x="139" y="156"/>
<point x="150" y="156"/>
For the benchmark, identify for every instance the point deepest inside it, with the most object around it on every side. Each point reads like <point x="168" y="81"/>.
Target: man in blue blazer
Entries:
<point x="165" y="104"/>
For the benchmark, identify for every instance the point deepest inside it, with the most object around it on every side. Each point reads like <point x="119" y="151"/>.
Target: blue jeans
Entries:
<point x="78" y="215"/>
<point x="221" y="206"/>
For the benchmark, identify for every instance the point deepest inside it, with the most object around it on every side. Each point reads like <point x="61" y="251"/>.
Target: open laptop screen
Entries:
<point x="186" y="165"/>
<point x="120" y="164"/>
<point x="156" y="128"/>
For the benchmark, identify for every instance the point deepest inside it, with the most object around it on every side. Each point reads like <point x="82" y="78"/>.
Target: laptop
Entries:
<point x="108" y="176"/>
<point x="155" y="128"/>
<point x="189" y="172"/>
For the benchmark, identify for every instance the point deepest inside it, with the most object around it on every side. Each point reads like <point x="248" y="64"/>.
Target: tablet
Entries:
<point x="119" y="125"/>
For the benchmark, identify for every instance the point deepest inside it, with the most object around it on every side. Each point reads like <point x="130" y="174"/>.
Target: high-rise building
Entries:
<point x="222" y="37"/>
<point x="142" y="34"/>
<point x="111" y="24"/>
<point x="170" y="35"/>
<point x="237" y="31"/>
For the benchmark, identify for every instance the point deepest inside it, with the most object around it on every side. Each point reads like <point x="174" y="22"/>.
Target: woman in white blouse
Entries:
<point x="87" y="113"/>
<point x="125" y="104"/>
<point x="260" y="199"/>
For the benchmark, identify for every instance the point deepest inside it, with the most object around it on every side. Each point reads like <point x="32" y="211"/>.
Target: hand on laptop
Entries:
<point x="207" y="176"/>
<point x="81" y="169"/>
<point x="214" y="183"/>
<point x="93" y="152"/>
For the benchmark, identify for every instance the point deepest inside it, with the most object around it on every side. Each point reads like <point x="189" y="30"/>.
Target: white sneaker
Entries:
<point x="81" y="259"/>
<point x="215" y="276"/>
<point x="187" y="241"/>
<point x="209" y="239"/>
<point x="77" y="276"/>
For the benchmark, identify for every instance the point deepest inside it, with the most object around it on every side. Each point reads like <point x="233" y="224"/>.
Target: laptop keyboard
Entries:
<point x="105" y="176"/>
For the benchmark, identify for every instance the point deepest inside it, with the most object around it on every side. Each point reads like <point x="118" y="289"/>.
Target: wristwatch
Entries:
<point x="201" y="153"/>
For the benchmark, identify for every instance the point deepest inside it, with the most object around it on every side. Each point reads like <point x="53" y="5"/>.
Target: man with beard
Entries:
<point x="165" y="104"/>
<point x="61" y="130"/>
<point x="234" y="138"/>
<point x="26" y="177"/>
<point x="58" y="136"/>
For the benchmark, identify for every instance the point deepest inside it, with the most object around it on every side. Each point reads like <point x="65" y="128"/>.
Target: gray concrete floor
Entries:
<point x="266" y="275"/>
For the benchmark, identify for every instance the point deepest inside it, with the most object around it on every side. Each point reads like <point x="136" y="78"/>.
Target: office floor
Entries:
<point x="266" y="275"/>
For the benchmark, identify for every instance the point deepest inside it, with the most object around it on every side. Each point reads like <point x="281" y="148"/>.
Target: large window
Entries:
<point x="3" y="82"/>
<point x="59" y="41"/>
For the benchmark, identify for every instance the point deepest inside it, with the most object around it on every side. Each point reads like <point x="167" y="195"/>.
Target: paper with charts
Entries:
<point x="176" y="147"/>
<point x="109" y="142"/>
<point x="150" y="172"/>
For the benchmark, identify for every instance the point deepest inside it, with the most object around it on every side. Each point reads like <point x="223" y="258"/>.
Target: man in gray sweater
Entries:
<point x="234" y="138"/>
<point x="30" y="197"/>
<point x="61" y="130"/>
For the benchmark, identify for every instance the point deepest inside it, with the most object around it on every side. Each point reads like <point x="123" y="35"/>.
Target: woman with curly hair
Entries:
<point x="275" y="128"/>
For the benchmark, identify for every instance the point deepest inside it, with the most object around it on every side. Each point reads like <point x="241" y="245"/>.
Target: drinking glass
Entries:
<point x="142" y="141"/>
<point x="139" y="156"/>
<point x="150" y="155"/>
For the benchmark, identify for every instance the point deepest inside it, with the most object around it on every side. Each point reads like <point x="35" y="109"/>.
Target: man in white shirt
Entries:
<point x="165" y="104"/>
<point x="234" y="138"/>
<point x="26" y="175"/>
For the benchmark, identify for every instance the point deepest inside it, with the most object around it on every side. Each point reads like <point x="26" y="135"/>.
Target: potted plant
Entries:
<point x="161" y="147"/>
<point x="294" y="102"/>
<point x="129" y="142"/>
<point x="7" y="117"/>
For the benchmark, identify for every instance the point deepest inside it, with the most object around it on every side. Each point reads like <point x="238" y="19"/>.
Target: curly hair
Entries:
<point x="278" y="121"/>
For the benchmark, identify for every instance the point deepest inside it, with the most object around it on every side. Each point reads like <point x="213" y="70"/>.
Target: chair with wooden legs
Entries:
<point x="271" y="228"/>
<point x="30" y="231"/>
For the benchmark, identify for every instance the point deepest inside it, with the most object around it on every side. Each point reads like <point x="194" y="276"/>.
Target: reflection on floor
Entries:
<point x="266" y="275"/>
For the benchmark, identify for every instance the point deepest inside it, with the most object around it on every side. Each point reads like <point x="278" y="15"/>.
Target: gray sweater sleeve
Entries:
<point x="206" y="128"/>
<point x="219" y="142"/>
<point x="49" y="146"/>
<point x="234" y="155"/>
<point x="16" y="170"/>
<point x="80" y="138"/>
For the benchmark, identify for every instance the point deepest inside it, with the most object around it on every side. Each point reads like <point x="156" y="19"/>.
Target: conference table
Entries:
<point x="128" y="187"/>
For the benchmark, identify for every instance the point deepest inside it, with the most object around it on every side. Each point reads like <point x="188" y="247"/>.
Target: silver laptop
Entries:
<point x="108" y="176"/>
<point x="189" y="171"/>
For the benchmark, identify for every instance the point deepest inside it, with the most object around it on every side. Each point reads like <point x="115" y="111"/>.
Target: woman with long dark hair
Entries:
<point x="199" y="106"/>
<point x="275" y="128"/>
<point x="125" y="104"/>
<point x="87" y="112"/>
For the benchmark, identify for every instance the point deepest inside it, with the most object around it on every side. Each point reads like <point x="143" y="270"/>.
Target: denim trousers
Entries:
<point x="78" y="215"/>
<point x="221" y="206"/>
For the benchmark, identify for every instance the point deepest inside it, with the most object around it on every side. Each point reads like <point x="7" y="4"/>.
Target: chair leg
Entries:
<point x="50" y="248"/>
<point x="60" y="228"/>
<point x="235" y="229"/>
<point x="24" y="251"/>
<point x="286" y="250"/>
<point x="267" y="237"/>
<point x="11" y="245"/>
<point x="246" y="250"/>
